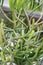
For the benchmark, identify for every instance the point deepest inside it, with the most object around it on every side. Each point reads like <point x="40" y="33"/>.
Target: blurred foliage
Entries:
<point x="21" y="48"/>
<point x="1" y="2"/>
<point x="22" y="44"/>
<point x="27" y="4"/>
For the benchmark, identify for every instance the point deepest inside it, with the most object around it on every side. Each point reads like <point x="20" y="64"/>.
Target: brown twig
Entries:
<point x="39" y="23"/>
<point x="39" y="19"/>
<point x="29" y="24"/>
<point x="20" y="20"/>
<point x="6" y="15"/>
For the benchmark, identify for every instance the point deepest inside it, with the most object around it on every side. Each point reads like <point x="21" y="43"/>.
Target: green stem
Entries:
<point x="36" y="8"/>
<point x="6" y="15"/>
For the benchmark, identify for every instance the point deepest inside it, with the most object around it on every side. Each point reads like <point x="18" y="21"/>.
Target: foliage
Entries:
<point x="1" y="2"/>
<point x="29" y="4"/>
<point x="18" y="47"/>
<point x="22" y="44"/>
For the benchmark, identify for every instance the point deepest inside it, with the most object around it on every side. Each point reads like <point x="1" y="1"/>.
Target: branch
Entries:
<point x="39" y="23"/>
<point x="6" y="15"/>
<point x="20" y="20"/>
<point x="39" y="19"/>
<point x="29" y="24"/>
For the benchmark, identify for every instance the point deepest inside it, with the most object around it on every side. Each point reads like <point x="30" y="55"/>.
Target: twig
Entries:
<point x="19" y="12"/>
<point x="20" y="20"/>
<point x="39" y="23"/>
<point x="9" y="29"/>
<point x="6" y="15"/>
<point x="39" y="19"/>
<point x="29" y="24"/>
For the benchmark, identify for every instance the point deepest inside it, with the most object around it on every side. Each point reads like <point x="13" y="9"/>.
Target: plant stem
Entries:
<point x="6" y="15"/>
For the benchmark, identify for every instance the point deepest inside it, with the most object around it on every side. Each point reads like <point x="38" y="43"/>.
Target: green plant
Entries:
<point x="1" y="2"/>
<point x="22" y="44"/>
<point x="20" y="48"/>
<point x="29" y="4"/>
